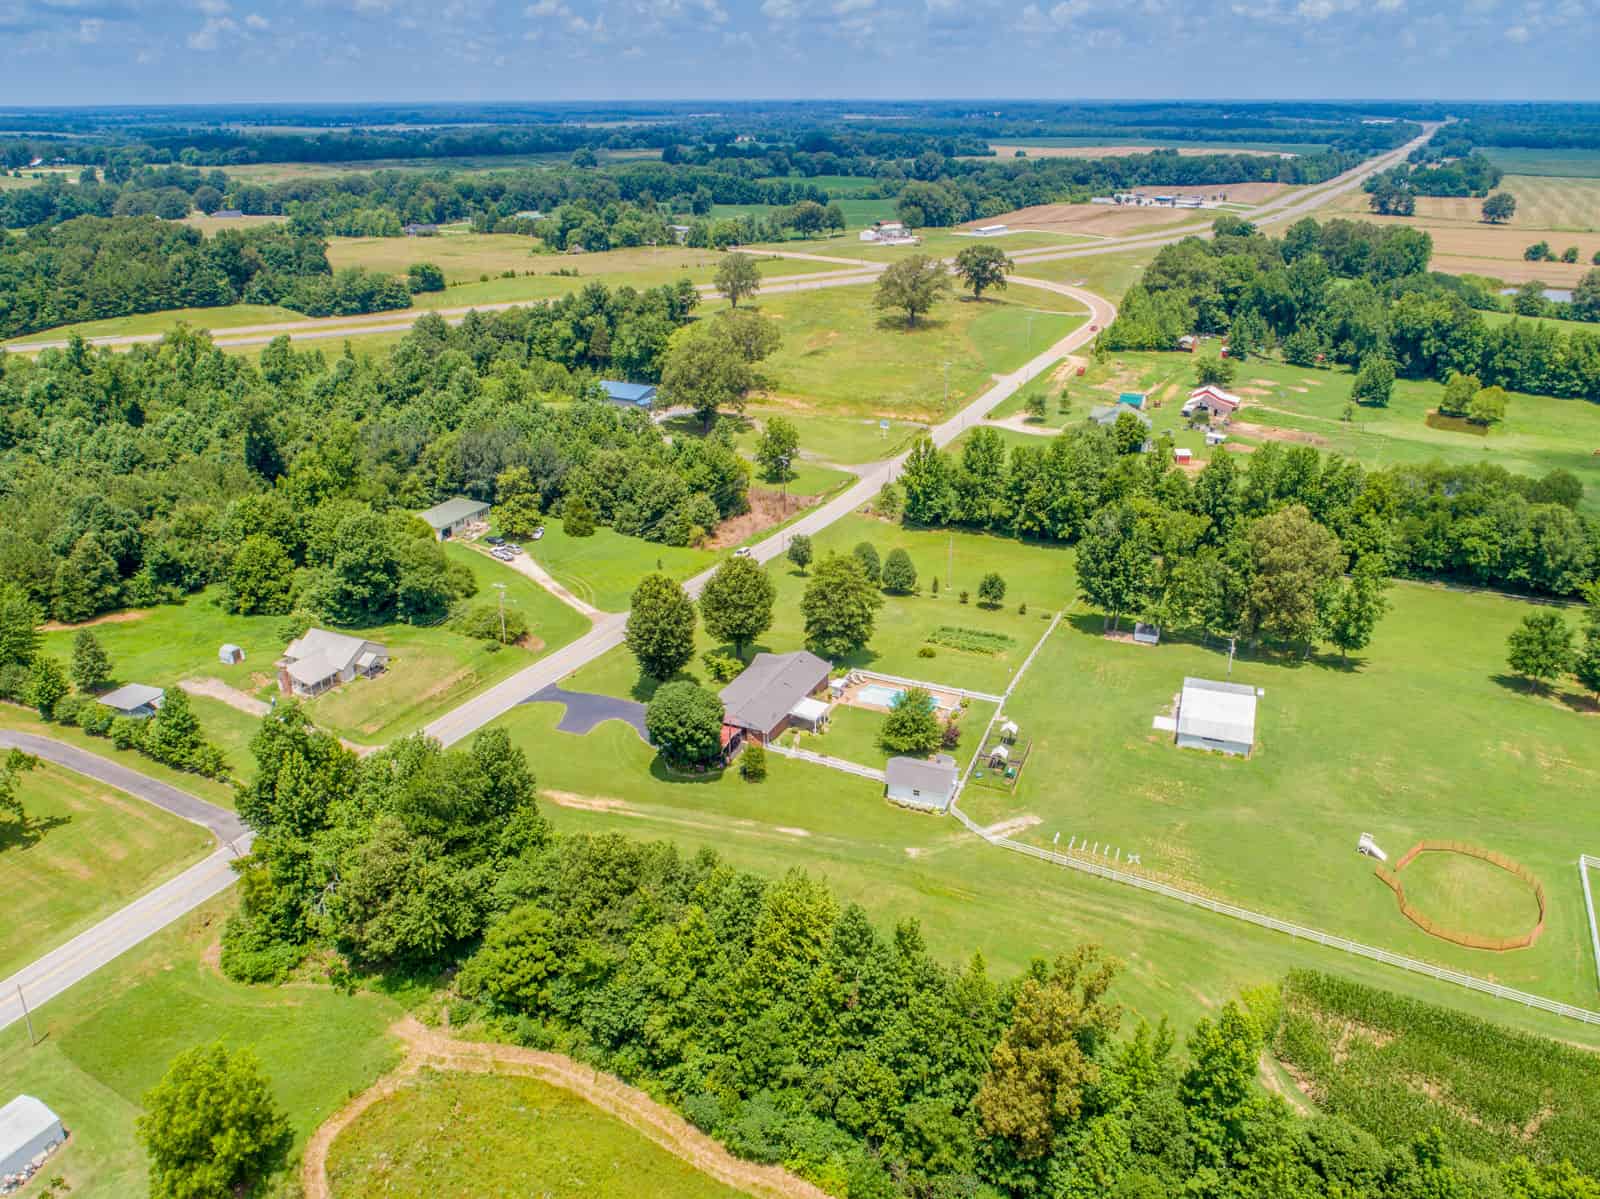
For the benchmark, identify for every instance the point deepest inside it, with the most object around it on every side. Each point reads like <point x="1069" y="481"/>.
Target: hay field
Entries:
<point x="210" y="225"/>
<point x="1101" y="220"/>
<point x="1544" y="202"/>
<point x="1009" y="149"/>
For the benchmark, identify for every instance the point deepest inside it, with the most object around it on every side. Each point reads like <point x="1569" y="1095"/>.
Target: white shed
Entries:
<point x="920" y="784"/>
<point x="28" y="1129"/>
<point x="1219" y="716"/>
<point x="230" y="655"/>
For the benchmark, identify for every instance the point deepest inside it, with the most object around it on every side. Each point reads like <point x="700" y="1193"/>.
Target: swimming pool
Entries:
<point x="883" y="696"/>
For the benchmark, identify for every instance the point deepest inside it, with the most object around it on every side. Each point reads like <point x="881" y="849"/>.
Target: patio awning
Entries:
<point x="809" y="710"/>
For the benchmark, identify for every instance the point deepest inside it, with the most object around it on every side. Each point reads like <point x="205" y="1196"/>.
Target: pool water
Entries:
<point x="879" y="695"/>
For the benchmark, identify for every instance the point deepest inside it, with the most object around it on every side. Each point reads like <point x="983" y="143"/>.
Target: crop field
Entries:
<point x="1522" y="160"/>
<point x="211" y="226"/>
<point x="1306" y="406"/>
<point x="1105" y="147"/>
<point x="507" y="1136"/>
<point x="471" y="164"/>
<point x="843" y="357"/>
<point x="1106" y="220"/>
<point x="1398" y="1068"/>
<point x="110" y="1038"/>
<point x="86" y="850"/>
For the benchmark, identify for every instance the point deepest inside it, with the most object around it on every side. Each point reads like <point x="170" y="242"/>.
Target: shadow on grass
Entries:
<point x="1522" y="685"/>
<point x="663" y="772"/>
<point x="27" y="832"/>
<point x="895" y="323"/>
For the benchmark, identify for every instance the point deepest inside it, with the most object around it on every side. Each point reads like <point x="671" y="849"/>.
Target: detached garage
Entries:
<point x="1217" y="716"/>
<point x="28" y="1130"/>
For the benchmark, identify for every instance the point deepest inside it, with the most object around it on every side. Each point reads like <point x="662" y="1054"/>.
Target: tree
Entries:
<point x="799" y="551"/>
<point x="912" y="726"/>
<point x="12" y="768"/>
<point x="737" y="277"/>
<point x="1128" y="432"/>
<point x="660" y="629"/>
<point x="1116" y="562"/>
<point x="1374" y="382"/>
<point x="1353" y="608"/>
<point x="736" y="604"/>
<point x="260" y="579"/>
<point x="899" y="575"/>
<point x="1488" y="406"/>
<point x="1036" y="405"/>
<point x="982" y="267"/>
<point x="1247" y="335"/>
<point x="1538" y="252"/>
<point x="867" y="554"/>
<point x="1586" y="297"/>
<point x="912" y="285"/>
<point x="1540" y="648"/>
<point x="1294" y="560"/>
<point x="839" y="606"/>
<point x="753" y="762"/>
<point x="423" y="277"/>
<point x="19" y="626"/>
<point x="1586" y="664"/>
<point x="516" y="502"/>
<point x="210" y="1127"/>
<point x="517" y="962"/>
<point x="47" y="685"/>
<point x="1458" y="392"/>
<point x="1214" y="372"/>
<point x="173" y="735"/>
<point x="991" y="590"/>
<point x="91" y="665"/>
<point x="684" y="721"/>
<point x="929" y="485"/>
<point x="776" y="449"/>
<point x="577" y="517"/>
<point x="1046" y="1058"/>
<point x="1499" y="208"/>
<point x="706" y="368"/>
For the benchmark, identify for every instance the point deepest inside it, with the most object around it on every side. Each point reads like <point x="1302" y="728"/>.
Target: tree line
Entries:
<point x="776" y="1017"/>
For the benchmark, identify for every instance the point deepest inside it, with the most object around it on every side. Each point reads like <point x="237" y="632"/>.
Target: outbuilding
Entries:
<point x="28" y="1130"/>
<point x="230" y="655"/>
<point x="629" y="395"/>
<point x="1183" y="457"/>
<point x="1133" y="399"/>
<point x="455" y="516"/>
<point x="1217" y="716"/>
<point x="134" y="699"/>
<point x="916" y="783"/>
<point x="1213" y="400"/>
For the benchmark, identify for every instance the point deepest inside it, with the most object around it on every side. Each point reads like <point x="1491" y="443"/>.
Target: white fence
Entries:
<point x="896" y="679"/>
<point x="1299" y="932"/>
<point x="805" y="755"/>
<point x="1584" y="862"/>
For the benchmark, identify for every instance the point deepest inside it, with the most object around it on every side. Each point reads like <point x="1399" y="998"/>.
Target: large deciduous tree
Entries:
<point x="1351" y="608"/>
<point x="684" y="721"/>
<point x="1293" y="560"/>
<point x="776" y="449"/>
<point x="1540" y="648"/>
<point x="839" y="606"/>
<point x="913" y="286"/>
<point x="736" y="604"/>
<point x="983" y="267"/>
<point x="737" y="277"/>
<point x="14" y="765"/>
<point x="660" y="630"/>
<point x="710" y="364"/>
<point x="1116" y="562"/>
<point x="1499" y="208"/>
<point x="260" y="579"/>
<point x="1374" y="382"/>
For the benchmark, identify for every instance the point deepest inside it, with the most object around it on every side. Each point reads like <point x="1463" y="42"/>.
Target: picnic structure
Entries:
<point x="134" y="699"/>
<point x="1215" y="402"/>
<point x="890" y="233"/>
<point x="774" y="693"/>
<point x="629" y="395"/>
<point x="1217" y="716"/>
<point x="29" y="1132"/>
<point x="456" y="516"/>
<point x="230" y="654"/>
<point x="321" y="661"/>
<point x="917" y="783"/>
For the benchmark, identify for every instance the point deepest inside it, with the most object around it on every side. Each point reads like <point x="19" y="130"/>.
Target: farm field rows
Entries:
<point x="1526" y="160"/>
<point x="1544" y="202"/>
<point x="1101" y="147"/>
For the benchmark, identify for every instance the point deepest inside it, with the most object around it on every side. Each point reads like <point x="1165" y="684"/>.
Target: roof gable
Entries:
<point x="770" y="686"/>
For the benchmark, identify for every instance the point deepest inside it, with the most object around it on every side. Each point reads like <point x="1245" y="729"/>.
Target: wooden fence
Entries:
<point x="1391" y="879"/>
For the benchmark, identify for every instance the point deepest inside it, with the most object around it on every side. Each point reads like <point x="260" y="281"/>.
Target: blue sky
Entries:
<point x="143" y="51"/>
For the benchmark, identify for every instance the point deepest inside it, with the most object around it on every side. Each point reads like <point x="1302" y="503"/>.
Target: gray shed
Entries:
<point x="230" y="655"/>
<point x="452" y="517"/>
<point x="916" y="783"/>
<point x="135" y="699"/>
<point x="27" y="1129"/>
<point x="1219" y="716"/>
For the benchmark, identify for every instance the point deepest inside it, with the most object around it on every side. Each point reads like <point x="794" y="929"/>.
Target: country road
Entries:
<point x="58" y="970"/>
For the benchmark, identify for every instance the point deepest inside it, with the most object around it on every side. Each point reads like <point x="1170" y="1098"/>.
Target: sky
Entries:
<point x="65" y="52"/>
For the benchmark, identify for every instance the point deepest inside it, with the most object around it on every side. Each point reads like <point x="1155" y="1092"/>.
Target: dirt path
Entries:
<point x="218" y="690"/>
<point x="664" y="1127"/>
<point x="523" y="564"/>
<point x="1018" y="422"/>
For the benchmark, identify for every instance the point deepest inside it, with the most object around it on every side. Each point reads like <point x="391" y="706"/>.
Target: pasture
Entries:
<point x="231" y="316"/>
<point x="507" y="1136"/>
<point x="604" y="569"/>
<point x="1524" y="160"/>
<point x="1107" y="147"/>
<point x="110" y="1038"/>
<point x="85" y="850"/>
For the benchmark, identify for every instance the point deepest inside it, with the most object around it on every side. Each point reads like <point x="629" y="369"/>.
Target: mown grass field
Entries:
<point x="507" y="1136"/>
<point x="604" y="569"/>
<point x="1307" y="406"/>
<point x="942" y="243"/>
<point x="231" y="316"/>
<point x="1523" y="160"/>
<point x="1462" y="893"/>
<point x="1108" y="275"/>
<point x="110" y="1038"/>
<point x="85" y="851"/>
<point x="846" y="440"/>
<point x="841" y="356"/>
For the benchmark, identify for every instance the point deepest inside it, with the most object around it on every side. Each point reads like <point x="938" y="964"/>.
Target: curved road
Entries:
<point x="58" y="970"/>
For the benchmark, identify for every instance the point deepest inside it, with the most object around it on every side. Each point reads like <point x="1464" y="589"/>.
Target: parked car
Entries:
<point x="495" y="540"/>
<point x="742" y="552"/>
<point x="502" y="553"/>
<point x="538" y="533"/>
<point x="514" y="549"/>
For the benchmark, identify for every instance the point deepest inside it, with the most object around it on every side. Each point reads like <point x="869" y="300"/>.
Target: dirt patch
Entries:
<point x="432" y="1049"/>
<point x="1454" y="424"/>
<point x="58" y="626"/>
<point x="767" y="510"/>
<point x="1015" y="825"/>
<point x="583" y="803"/>
<point x="218" y="690"/>
<point x="1270" y="1080"/>
<point x="792" y="832"/>
<point x="1258" y="392"/>
<point x="1268" y="433"/>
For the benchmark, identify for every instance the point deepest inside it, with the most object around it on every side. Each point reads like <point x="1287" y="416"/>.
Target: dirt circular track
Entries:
<point x="661" y="1125"/>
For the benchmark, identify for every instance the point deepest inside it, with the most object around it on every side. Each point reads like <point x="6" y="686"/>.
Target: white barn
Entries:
<point x="28" y="1129"/>
<point x="1219" y="716"/>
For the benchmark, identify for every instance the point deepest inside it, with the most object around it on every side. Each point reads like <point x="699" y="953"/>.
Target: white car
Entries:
<point x="744" y="551"/>
<point x="538" y="533"/>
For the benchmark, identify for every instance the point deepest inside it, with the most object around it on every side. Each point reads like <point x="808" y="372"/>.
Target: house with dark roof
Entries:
<point x="774" y="693"/>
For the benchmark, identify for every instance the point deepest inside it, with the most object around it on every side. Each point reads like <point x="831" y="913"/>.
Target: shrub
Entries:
<point x="70" y="709"/>
<point x="962" y="597"/>
<point x="951" y="736"/>
<point x="753" y="763"/>
<point x="126" y="732"/>
<point x="935" y="587"/>
<point x="482" y="621"/>
<point x="721" y="667"/>
<point x="1022" y="608"/>
<point x="95" y="719"/>
<point x="925" y="651"/>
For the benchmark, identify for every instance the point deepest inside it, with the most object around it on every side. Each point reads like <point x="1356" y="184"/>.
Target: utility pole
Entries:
<point x="26" y="1015"/>
<point x="501" y="588"/>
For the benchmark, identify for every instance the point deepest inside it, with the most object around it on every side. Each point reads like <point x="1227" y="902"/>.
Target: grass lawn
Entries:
<point x="1289" y="403"/>
<point x="230" y="316"/>
<point x="110" y="1038"/>
<point x="507" y="1136"/>
<point x="1465" y="894"/>
<point x="604" y="569"/>
<point x="1108" y="275"/>
<point x="853" y="733"/>
<point x="843" y="357"/>
<point x="850" y="440"/>
<point x="85" y="851"/>
<point x="942" y="243"/>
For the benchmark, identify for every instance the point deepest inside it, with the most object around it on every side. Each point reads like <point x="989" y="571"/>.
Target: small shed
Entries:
<point x="1182" y="456"/>
<point x="1009" y="731"/>
<point x="230" y="655"/>
<point x="999" y="756"/>
<point x="1215" y="437"/>
<point x="1147" y="634"/>
<point x="134" y="699"/>
<point x="1187" y="342"/>
<point x="1217" y="716"/>
<point x="28" y="1129"/>
<point x="454" y="516"/>
<point x="916" y="783"/>
<point x="629" y="395"/>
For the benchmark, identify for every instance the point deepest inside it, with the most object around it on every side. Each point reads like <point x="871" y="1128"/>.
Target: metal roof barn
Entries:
<point x="1219" y="716"/>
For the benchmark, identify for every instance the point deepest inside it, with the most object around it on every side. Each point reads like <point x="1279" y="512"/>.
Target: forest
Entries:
<point x="780" y="1020"/>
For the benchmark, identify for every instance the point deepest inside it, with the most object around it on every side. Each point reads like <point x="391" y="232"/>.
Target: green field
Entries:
<point x="1465" y="894"/>
<point x="231" y="316"/>
<point x="86" y="850"/>
<point x="1299" y="404"/>
<point x="507" y="1136"/>
<point x="841" y="439"/>
<point x="853" y="734"/>
<point x="1521" y="160"/>
<point x="604" y="569"/>
<point x="1216" y="147"/>
<point x="1108" y="275"/>
<point x="943" y="243"/>
<point x="109" y="1039"/>
<point x="844" y="357"/>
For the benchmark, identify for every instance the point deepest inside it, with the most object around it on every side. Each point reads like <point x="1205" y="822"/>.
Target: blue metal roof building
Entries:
<point x="635" y="395"/>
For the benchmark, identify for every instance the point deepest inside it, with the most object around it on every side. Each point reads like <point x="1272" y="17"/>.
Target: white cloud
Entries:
<point x="256" y="21"/>
<point x="1518" y="34"/>
<point x="209" y="36"/>
<point x="89" y="29"/>
<point x="212" y="8"/>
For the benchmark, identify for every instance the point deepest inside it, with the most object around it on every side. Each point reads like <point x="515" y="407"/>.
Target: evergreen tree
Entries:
<point x="91" y="665"/>
<point x="899" y="575"/>
<point x="867" y="554"/>
<point x="47" y="685"/>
